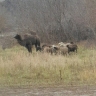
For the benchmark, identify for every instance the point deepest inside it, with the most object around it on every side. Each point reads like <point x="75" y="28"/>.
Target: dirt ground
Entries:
<point x="52" y="91"/>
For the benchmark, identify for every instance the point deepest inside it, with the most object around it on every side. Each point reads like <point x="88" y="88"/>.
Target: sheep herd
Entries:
<point x="59" y="48"/>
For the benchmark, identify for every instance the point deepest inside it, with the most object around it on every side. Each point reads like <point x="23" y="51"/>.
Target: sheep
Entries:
<point x="49" y="49"/>
<point x="44" y="45"/>
<point x="54" y="49"/>
<point x="61" y="44"/>
<point x="72" y="48"/>
<point x="63" y="50"/>
<point x="58" y="50"/>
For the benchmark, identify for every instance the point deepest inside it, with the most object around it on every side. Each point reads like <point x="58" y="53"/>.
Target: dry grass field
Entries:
<point x="19" y="68"/>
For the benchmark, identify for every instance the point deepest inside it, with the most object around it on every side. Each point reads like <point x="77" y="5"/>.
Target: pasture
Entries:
<point x="19" y="68"/>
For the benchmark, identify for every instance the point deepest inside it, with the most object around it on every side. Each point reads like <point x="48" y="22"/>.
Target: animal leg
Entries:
<point x="36" y="47"/>
<point x="28" y="46"/>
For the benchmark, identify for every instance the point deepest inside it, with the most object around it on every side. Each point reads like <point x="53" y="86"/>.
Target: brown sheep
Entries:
<point x="72" y="48"/>
<point x="45" y="45"/>
<point x="47" y="49"/>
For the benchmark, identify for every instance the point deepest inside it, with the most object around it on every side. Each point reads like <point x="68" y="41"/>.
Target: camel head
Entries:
<point x="18" y="37"/>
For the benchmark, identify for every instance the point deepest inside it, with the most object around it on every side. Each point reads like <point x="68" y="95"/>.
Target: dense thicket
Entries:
<point x="53" y="20"/>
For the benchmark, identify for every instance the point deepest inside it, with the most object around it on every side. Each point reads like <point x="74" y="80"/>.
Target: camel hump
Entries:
<point x="32" y="33"/>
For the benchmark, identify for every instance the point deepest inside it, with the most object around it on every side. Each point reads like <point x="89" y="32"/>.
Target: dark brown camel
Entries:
<point x="28" y="42"/>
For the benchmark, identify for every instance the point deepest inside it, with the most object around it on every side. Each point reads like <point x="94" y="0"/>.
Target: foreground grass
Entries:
<point x="18" y="68"/>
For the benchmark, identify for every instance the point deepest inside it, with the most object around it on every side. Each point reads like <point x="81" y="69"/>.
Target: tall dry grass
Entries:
<point x="18" y="67"/>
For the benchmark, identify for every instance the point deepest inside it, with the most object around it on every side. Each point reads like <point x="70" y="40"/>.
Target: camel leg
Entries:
<point x="36" y="47"/>
<point x="30" y="49"/>
<point x="28" y="46"/>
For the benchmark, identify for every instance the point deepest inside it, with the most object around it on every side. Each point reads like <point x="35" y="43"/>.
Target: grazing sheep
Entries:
<point x="28" y="42"/>
<point x="49" y="49"/>
<point x="61" y="44"/>
<point x="58" y="50"/>
<point x="70" y="43"/>
<point x="45" y="45"/>
<point x="72" y="48"/>
<point x="63" y="50"/>
<point x="54" y="49"/>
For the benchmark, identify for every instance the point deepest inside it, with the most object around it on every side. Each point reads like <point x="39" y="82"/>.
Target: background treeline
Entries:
<point x="53" y="20"/>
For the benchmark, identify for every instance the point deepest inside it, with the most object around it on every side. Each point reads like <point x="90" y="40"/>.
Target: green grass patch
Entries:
<point x="18" y="68"/>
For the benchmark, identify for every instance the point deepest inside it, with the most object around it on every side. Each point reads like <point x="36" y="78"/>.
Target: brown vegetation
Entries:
<point x="53" y="20"/>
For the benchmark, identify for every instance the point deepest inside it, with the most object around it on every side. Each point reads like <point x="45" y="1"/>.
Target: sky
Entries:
<point x="1" y="0"/>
